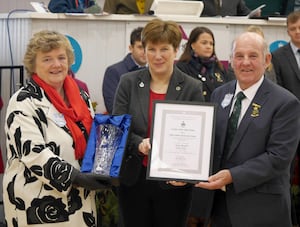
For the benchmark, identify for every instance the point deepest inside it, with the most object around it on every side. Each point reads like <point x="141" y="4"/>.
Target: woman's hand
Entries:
<point x="176" y="183"/>
<point x="145" y="146"/>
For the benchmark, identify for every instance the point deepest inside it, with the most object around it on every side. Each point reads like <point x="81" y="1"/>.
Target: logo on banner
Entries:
<point x="276" y="44"/>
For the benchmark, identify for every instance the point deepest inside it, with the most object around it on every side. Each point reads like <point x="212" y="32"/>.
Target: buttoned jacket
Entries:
<point x="260" y="155"/>
<point x="228" y="8"/>
<point x="287" y="69"/>
<point x="132" y="98"/>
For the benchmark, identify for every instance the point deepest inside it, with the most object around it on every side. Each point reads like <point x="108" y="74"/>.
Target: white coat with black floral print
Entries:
<point x="37" y="187"/>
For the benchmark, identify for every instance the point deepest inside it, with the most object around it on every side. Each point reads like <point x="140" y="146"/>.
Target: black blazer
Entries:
<point x="287" y="70"/>
<point x="132" y="97"/>
<point x="229" y="8"/>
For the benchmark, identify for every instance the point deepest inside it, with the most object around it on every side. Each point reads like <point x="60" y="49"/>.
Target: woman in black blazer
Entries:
<point x="199" y="60"/>
<point x="145" y="203"/>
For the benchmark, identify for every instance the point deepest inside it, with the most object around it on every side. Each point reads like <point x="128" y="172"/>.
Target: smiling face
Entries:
<point x="160" y="57"/>
<point x="52" y="67"/>
<point x="249" y="59"/>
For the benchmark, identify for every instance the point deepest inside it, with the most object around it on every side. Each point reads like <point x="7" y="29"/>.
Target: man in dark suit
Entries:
<point x="251" y="177"/>
<point x="134" y="60"/>
<point x="225" y="8"/>
<point x="286" y="62"/>
<point x="286" y="59"/>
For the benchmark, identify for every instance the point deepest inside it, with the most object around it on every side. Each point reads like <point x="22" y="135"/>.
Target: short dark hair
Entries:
<point x="293" y="17"/>
<point x="159" y="31"/>
<point x="136" y="35"/>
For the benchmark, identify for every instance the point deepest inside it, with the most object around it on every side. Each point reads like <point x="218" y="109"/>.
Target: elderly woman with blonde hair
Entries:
<point x="47" y="125"/>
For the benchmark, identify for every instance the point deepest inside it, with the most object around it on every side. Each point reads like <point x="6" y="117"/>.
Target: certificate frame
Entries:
<point x="182" y="141"/>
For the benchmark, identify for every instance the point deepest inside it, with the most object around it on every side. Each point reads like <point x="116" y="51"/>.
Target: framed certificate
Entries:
<point x="182" y="139"/>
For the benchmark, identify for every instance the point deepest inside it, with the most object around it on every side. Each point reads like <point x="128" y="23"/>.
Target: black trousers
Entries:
<point x="220" y="217"/>
<point x="147" y="204"/>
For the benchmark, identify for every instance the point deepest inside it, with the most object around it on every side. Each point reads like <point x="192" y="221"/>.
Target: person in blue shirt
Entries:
<point x="134" y="60"/>
<point x="74" y="6"/>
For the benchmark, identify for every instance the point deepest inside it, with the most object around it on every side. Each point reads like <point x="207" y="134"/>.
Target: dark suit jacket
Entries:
<point x="132" y="98"/>
<point x="287" y="70"/>
<point x="229" y="8"/>
<point x="112" y="77"/>
<point x="260" y="156"/>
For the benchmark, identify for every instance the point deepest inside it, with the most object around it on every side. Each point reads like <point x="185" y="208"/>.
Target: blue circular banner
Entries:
<point x="276" y="44"/>
<point x="77" y="54"/>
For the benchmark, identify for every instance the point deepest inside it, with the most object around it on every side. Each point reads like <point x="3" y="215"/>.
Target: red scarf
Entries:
<point x="76" y="112"/>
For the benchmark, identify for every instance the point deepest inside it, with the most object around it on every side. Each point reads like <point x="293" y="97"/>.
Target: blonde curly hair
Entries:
<point x="46" y="41"/>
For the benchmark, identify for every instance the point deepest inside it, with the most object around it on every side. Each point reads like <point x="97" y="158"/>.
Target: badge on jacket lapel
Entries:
<point x="59" y="119"/>
<point x="219" y="77"/>
<point x="255" y="110"/>
<point x="141" y="84"/>
<point x="227" y="99"/>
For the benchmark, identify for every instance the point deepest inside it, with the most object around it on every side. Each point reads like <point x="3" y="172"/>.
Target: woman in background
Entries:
<point x="200" y="61"/>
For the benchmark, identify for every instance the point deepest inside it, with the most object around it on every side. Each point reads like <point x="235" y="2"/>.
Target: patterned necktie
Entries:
<point x="141" y="6"/>
<point x="233" y="120"/>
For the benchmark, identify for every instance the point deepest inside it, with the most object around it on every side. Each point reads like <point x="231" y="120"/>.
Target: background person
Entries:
<point x="127" y="6"/>
<point x="47" y="126"/>
<point x="286" y="59"/>
<point x="147" y="203"/>
<point x="81" y="84"/>
<point x="134" y="60"/>
<point x="200" y="61"/>
<point x="272" y="8"/>
<point x="270" y="72"/>
<point x="286" y="62"/>
<point x="296" y="5"/>
<point x="225" y="8"/>
<point x="74" y="6"/>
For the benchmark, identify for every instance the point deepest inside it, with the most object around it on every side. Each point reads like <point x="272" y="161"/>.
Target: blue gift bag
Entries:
<point x="121" y="121"/>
